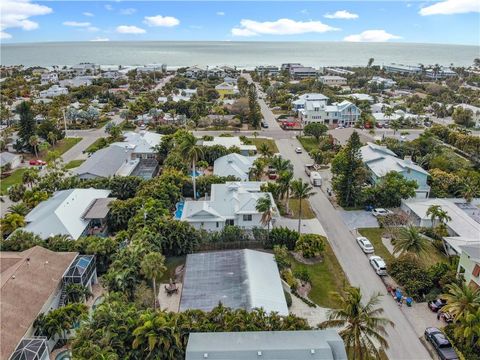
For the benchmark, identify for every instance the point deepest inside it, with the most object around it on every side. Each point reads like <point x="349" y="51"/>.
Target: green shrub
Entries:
<point x="310" y="245"/>
<point x="302" y="274"/>
<point x="287" y="275"/>
<point x="282" y="236"/>
<point x="282" y="257"/>
<point x="411" y="275"/>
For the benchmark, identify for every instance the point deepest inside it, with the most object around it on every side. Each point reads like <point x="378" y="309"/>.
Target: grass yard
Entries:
<point x="74" y="163"/>
<point x="64" y="145"/>
<point x="375" y="236"/>
<point x="14" y="178"/>
<point x="98" y="144"/>
<point x="307" y="212"/>
<point x="308" y="143"/>
<point x="259" y="141"/>
<point x="171" y="263"/>
<point x="326" y="277"/>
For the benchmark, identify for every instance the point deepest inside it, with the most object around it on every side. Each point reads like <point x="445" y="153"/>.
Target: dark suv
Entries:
<point x="440" y="343"/>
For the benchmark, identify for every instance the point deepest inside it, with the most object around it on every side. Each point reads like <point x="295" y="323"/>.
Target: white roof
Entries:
<point x="361" y="97"/>
<point x="225" y="86"/>
<point x="233" y="164"/>
<point x="62" y="213"/>
<point x="142" y="142"/>
<point x="227" y="201"/>
<point x="228" y="141"/>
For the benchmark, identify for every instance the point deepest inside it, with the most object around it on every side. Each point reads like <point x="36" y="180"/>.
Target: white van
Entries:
<point x="315" y="178"/>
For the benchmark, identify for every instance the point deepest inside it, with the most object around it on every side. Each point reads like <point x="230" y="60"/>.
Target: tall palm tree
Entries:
<point x="362" y="326"/>
<point x="264" y="150"/>
<point x="411" y="241"/>
<point x="469" y="328"/>
<point x="265" y="206"/>
<point x="20" y="209"/>
<point x="468" y="190"/>
<point x="301" y="191"/>
<point x="437" y="213"/>
<point x="33" y="141"/>
<point x="192" y="152"/>
<point x="280" y="164"/>
<point x="461" y="299"/>
<point x="284" y="180"/>
<point x="153" y="267"/>
<point x="257" y="170"/>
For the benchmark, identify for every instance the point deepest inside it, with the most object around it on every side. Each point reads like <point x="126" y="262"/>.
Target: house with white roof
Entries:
<point x="379" y="161"/>
<point x="228" y="142"/>
<point x="333" y="80"/>
<point x="152" y="68"/>
<point x="77" y="81"/>
<point x="232" y="203"/>
<point x="382" y="118"/>
<point x="74" y="212"/>
<point x="464" y="226"/>
<point x="235" y="165"/>
<point x="361" y="97"/>
<point x="194" y="72"/>
<point x="402" y="69"/>
<point x="54" y="90"/>
<point x="267" y="70"/>
<point x="469" y="265"/>
<point x="475" y="112"/>
<point x="85" y="68"/>
<point x="312" y="97"/>
<point x="441" y="73"/>
<point x="302" y="72"/>
<point x="47" y="78"/>
<point x="185" y="94"/>
<point x="381" y="81"/>
<point x="10" y="158"/>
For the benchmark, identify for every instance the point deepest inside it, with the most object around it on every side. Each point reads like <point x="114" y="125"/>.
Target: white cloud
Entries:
<point x="86" y="13"/>
<point x="280" y="27"/>
<point x="372" y="36"/>
<point x="128" y="11"/>
<point x="341" y="14"/>
<point x="99" y="39"/>
<point x="16" y="14"/>
<point x="108" y="7"/>
<point x="130" y="29"/>
<point x="76" y="24"/>
<point x="220" y="13"/>
<point x="159" y="20"/>
<point x="448" y="7"/>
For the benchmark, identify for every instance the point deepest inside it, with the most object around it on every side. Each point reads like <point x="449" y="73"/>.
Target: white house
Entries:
<point x="194" y="72"/>
<point x="464" y="226"/>
<point x="234" y="164"/>
<point x="402" y="69"/>
<point x="113" y="75"/>
<point x="185" y="94"/>
<point x="152" y="68"/>
<point x="442" y="73"/>
<point x="338" y="71"/>
<point x="53" y="91"/>
<point x="379" y="160"/>
<point x="228" y="142"/>
<point x="232" y="203"/>
<point x="9" y="158"/>
<point x="382" y="118"/>
<point x="475" y="112"/>
<point x="381" y="81"/>
<point x="313" y="97"/>
<point x="50" y="77"/>
<point x="332" y="80"/>
<point x="361" y="97"/>
<point x="267" y="70"/>
<point x="77" y="81"/>
<point x="344" y="113"/>
<point x="85" y="68"/>
<point x="303" y="72"/>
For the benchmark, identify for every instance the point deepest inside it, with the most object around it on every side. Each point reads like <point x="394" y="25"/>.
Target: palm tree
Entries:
<point x="468" y="190"/>
<point x="280" y="164"/>
<point x="192" y="152"/>
<point x="76" y="293"/>
<point x="437" y="213"/>
<point x="20" y="209"/>
<point x="257" y="170"/>
<point x="362" y="326"/>
<point x="411" y="241"/>
<point x="284" y="180"/>
<point x="33" y="141"/>
<point x="264" y="150"/>
<point x="265" y="206"/>
<point x="461" y="299"/>
<point x="30" y="176"/>
<point x="469" y="328"/>
<point x="52" y="137"/>
<point x="11" y="222"/>
<point x="153" y="267"/>
<point x="301" y="191"/>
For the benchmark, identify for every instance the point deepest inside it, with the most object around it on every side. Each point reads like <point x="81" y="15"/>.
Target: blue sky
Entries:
<point x="443" y="21"/>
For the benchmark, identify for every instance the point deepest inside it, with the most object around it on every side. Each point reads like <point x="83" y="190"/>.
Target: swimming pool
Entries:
<point x="179" y="209"/>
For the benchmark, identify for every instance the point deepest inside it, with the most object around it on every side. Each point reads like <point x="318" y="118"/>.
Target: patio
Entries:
<point x="169" y="301"/>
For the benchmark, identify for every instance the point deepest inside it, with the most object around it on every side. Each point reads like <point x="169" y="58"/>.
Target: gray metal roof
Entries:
<point x="98" y="209"/>
<point x="244" y="279"/>
<point x="104" y="162"/>
<point x="267" y="345"/>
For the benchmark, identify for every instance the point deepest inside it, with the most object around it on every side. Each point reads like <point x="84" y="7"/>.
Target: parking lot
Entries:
<point x="359" y="219"/>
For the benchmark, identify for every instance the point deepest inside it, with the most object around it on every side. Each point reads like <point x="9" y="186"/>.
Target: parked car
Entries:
<point x="340" y="127"/>
<point x="440" y="343"/>
<point x="380" y="212"/>
<point x="378" y="264"/>
<point x="445" y="316"/>
<point x="264" y="124"/>
<point x="298" y="150"/>
<point x="365" y="245"/>
<point x="437" y="304"/>
<point x="37" y="162"/>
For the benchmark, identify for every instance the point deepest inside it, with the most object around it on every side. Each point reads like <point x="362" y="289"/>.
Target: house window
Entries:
<point x="247" y="217"/>
<point x="230" y="222"/>
<point x="217" y="224"/>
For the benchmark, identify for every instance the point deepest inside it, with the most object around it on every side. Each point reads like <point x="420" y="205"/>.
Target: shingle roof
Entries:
<point x="27" y="283"/>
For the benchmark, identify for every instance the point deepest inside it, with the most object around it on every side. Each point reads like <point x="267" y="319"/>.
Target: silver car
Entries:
<point x="378" y="264"/>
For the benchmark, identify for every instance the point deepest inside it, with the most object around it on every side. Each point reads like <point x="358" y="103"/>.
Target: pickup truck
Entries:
<point x="441" y="344"/>
<point x="311" y="167"/>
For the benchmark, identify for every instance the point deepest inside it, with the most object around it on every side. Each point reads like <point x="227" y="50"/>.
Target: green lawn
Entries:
<point x="14" y="178"/>
<point x="326" y="277"/>
<point x="73" y="164"/>
<point x="307" y="212"/>
<point x="259" y="141"/>
<point x="66" y="144"/>
<point x="171" y="263"/>
<point x="308" y="143"/>
<point x="375" y="236"/>
<point x="97" y="145"/>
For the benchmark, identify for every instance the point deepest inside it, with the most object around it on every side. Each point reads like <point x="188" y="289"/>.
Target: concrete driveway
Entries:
<point x="358" y="219"/>
<point x="308" y="226"/>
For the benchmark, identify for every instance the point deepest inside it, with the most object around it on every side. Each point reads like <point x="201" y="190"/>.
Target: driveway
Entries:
<point x="309" y="226"/>
<point x="358" y="219"/>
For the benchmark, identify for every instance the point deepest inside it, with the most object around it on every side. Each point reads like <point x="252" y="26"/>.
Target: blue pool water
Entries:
<point x="179" y="209"/>
<point x="64" y="355"/>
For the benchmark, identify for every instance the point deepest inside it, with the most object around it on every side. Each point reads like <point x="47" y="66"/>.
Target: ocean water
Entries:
<point x="241" y="54"/>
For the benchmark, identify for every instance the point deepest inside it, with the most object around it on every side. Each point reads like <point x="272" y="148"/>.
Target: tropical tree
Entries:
<point x="265" y="206"/>
<point x="315" y="129"/>
<point x="362" y="325"/>
<point x="310" y="245"/>
<point x="317" y="156"/>
<point x="192" y="152"/>
<point x="284" y="181"/>
<point x="20" y="209"/>
<point x="153" y="267"/>
<point x="30" y="177"/>
<point x="469" y="189"/>
<point x="34" y="141"/>
<point x="461" y="300"/>
<point x="280" y="164"/>
<point x="60" y="321"/>
<point x="437" y="213"/>
<point x="10" y="222"/>
<point x="411" y="241"/>
<point x="468" y="329"/>
<point x="264" y="150"/>
<point x="301" y="191"/>
<point x="27" y="125"/>
<point x="257" y="170"/>
<point x="370" y="62"/>
<point x="394" y="124"/>
<point x="76" y="293"/>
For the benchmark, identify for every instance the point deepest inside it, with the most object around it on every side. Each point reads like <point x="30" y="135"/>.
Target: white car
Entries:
<point x="298" y="150"/>
<point x="380" y="212"/>
<point x="378" y="264"/>
<point x="365" y="245"/>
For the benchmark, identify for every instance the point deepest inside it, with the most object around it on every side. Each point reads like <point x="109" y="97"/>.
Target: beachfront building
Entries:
<point x="303" y="72"/>
<point x="230" y="141"/>
<point x="463" y="228"/>
<point x="185" y="94"/>
<point x="267" y="70"/>
<point x="195" y="72"/>
<point x="338" y="71"/>
<point x="248" y="345"/>
<point x="113" y="75"/>
<point x="239" y="279"/>
<point x="290" y="66"/>
<point x="361" y="97"/>
<point x="232" y="203"/>
<point x="77" y="81"/>
<point x="382" y="82"/>
<point x="226" y="89"/>
<point x="32" y="284"/>
<point x="469" y="265"/>
<point x="441" y="73"/>
<point x="49" y="77"/>
<point x="152" y="68"/>
<point x="380" y="160"/>
<point x="475" y="113"/>
<point x="54" y="90"/>
<point x="403" y="69"/>
<point x="234" y="165"/>
<point x="73" y="212"/>
<point x="85" y="68"/>
<point x="310" y="97"/>
<point x="332" y="80"/>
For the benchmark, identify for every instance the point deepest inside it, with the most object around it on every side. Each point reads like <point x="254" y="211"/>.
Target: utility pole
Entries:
<point x="65" y="122"/>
